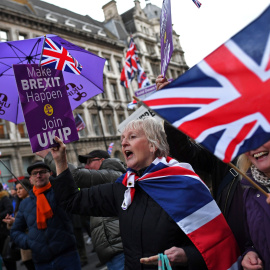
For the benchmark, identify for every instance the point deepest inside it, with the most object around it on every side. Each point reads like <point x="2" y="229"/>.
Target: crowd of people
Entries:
<point x="142" y="207"/>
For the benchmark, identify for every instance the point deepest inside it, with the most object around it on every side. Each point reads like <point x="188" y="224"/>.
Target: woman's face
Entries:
<point x="21" y="192"/>
<point x="136" y="149"/>
<point x="260" y="158"/>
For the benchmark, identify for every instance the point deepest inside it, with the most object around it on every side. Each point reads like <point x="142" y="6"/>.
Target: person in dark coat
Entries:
<point x="257" y="212"/>
<point x="50" y="235"/>
<point x="22" y="188"/>
<point x="5" y="209"/>
<point x="146" y="228"/>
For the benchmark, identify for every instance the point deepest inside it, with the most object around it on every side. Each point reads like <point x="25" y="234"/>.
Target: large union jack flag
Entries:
<point x="222" y="102"/>
<point x="57" y="57"/>
<point x="188" y="201"/>
<point x="132" y="65"/>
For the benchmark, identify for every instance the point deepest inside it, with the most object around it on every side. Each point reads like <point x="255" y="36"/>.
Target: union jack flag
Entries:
<point x="197" y="3"/>
<point x="132" y="65"/>
<point x="188" y="201"/>
<point x="110" y="148"/>
<point x="80" y="125"/>
<point x="222" y="102"/>
<point x="57" y="57"/>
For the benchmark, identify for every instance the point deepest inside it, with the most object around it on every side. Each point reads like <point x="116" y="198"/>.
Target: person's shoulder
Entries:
<point x="113" y="164"/>
<point x="4" y="194"/>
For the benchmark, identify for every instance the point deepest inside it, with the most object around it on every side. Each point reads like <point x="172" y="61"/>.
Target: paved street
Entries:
<point x="92" y="260"/>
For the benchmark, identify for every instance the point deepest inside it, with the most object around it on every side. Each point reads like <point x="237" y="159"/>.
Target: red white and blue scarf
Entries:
<point x="187" y="200"/>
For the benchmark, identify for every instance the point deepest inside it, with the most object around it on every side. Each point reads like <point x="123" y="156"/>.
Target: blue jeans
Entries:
<point x="68" y="261"/>
<point x="117" y="262"/>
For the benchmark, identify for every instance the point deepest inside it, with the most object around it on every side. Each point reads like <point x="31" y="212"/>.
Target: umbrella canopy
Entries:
<point x="16" y="179"/>
<point x="80" y="87"/>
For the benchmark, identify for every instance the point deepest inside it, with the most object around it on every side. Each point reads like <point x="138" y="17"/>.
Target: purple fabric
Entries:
<point x="79" y="87"/>
<point x="258" y="222"/>
<point x="45" y="105"/>
<point x="166" y="41"/>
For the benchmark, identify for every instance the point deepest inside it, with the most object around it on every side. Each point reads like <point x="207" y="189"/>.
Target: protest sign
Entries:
<point x="145" y="92"/>
<point x="166" y="41"/>
<point x="140" y="113"/>
<point x="45" y="105"/>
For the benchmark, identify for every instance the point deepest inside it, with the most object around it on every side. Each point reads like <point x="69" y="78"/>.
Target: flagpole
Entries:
<point x="42" y="50"/>
<point x="230" y="164"/>
<point x="18" y="181"/>
<point x="249" y="179"/>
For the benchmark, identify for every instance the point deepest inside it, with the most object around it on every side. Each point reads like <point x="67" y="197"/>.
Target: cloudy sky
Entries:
<point x="201" y="30"/>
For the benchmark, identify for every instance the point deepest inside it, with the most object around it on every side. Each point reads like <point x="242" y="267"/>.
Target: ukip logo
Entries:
<point x="48" y="109"/>
<point x="3" y="103"/>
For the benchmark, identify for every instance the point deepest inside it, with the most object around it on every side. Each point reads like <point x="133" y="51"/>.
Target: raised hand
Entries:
<point x="161" y="82"/>
<point x="59" y="156"/>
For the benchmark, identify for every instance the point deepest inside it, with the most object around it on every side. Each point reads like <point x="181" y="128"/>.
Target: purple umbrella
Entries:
<point x="80" y="87"/>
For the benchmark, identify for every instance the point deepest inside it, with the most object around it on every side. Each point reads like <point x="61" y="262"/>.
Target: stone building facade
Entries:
<point x="24" y="19"/>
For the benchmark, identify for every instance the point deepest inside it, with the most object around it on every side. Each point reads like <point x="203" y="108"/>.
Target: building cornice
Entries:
<point x="39" y="24"/>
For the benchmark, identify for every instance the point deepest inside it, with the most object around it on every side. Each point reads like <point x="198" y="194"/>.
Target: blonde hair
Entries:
<point x="243" y="163"/>
<point x="154" y="133"/>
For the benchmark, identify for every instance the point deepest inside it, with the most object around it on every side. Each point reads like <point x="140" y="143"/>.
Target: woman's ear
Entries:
<point x="152" y="148"/>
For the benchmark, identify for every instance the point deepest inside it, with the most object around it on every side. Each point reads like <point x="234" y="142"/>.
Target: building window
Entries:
<point x="5" y="174"/>
<point x="103" y="94"/>
<point x="172" y="73"/>
<point x="23" y="130"/>
<point x="155" y="69"/>
<point x="22" y="36"/>
<point x="119" y="66"/>
<point x="150" y="48"/>
<point x="96" y="124"/>
<point x="27" y="161"/>
<point x="3" y="35"/>
<point x="108" y="64"/>
<point x="114" y="91"/>
<point x="127" y="95"/>
<point x="109" y="122"/>
<point x="121" y="118"/>
<point x="3" y="130"/>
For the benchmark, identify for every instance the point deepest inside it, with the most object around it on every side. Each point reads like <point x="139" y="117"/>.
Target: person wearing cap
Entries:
<point x="50" y="235"/>
<point x="99" y="169"/>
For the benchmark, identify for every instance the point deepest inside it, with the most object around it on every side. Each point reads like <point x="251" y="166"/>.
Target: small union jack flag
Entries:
<point x="222" y="102"/>
<point x="80" y="125"/>
<point x="110" y="148"/>
<point x="57" y="57"/>
<point x="197" y="3"/>
<point x="132" y="65"/>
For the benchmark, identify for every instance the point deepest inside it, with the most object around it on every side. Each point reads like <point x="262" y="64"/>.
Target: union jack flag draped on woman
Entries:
<point x="187" y="200"/>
